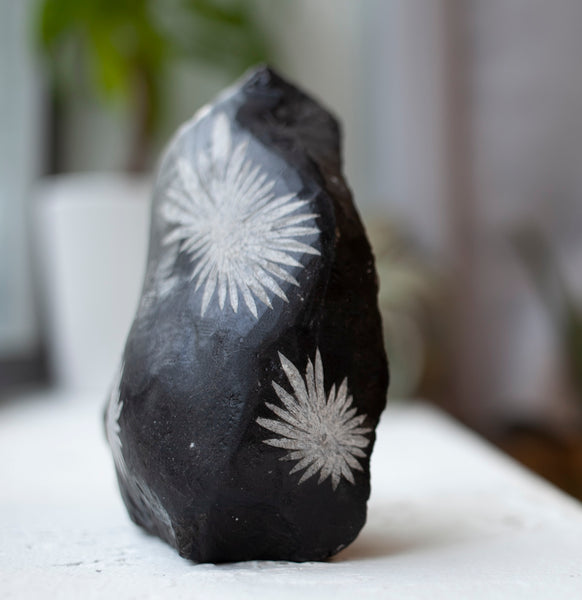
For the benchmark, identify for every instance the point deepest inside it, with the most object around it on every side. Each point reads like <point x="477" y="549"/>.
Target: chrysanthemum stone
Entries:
<point x="242" y="416"/>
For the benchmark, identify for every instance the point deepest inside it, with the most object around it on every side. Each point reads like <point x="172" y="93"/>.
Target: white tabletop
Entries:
<point x="449" y="518"/>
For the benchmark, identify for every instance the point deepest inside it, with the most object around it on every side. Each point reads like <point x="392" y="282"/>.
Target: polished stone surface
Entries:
<point x="242" y="417"/>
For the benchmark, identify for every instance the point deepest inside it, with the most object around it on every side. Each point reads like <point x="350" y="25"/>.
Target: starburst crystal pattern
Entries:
<point x="324" y="434"/>
<point x="112" y="429"/>
<point x="241" y="237"/>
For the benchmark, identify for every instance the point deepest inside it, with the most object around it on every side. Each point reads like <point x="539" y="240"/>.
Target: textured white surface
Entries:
<point x="449" y="518"/>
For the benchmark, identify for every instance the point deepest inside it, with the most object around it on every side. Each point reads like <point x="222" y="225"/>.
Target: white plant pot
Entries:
<point x="92" y="232"/>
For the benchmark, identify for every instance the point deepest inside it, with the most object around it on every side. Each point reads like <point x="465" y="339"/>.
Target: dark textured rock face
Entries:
<point x="242" y="417"/>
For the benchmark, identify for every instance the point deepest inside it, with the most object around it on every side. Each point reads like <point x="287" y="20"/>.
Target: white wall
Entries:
<point x="404" y="101"/>
<point x="319" y="45"/>
<point x="20" y="145"/>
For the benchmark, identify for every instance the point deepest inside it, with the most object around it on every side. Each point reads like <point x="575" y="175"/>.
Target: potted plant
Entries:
<point x="92" y="227"/>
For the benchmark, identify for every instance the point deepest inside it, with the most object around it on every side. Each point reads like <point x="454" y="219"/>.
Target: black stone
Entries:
<point x="232" y="434"/>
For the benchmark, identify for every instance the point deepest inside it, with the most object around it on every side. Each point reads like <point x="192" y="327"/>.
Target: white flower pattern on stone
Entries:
<point x="140" y="492"/>
<point x="114" y="408"/>
<point x="325" y="435"/>
<point x="239" y="235"/>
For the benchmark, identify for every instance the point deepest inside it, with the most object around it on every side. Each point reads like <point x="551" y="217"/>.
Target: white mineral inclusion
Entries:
<point x="239" y="235"/>
<point x="114" y="408"/>
<point x="323" y="433"/>
<point x="112" y="430"/>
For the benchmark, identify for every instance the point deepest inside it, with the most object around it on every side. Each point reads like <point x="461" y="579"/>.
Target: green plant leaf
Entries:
<point x="124" y="47"/>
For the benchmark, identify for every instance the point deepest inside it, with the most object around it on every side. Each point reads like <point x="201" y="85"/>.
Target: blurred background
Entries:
<point x="463" y="146"/>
